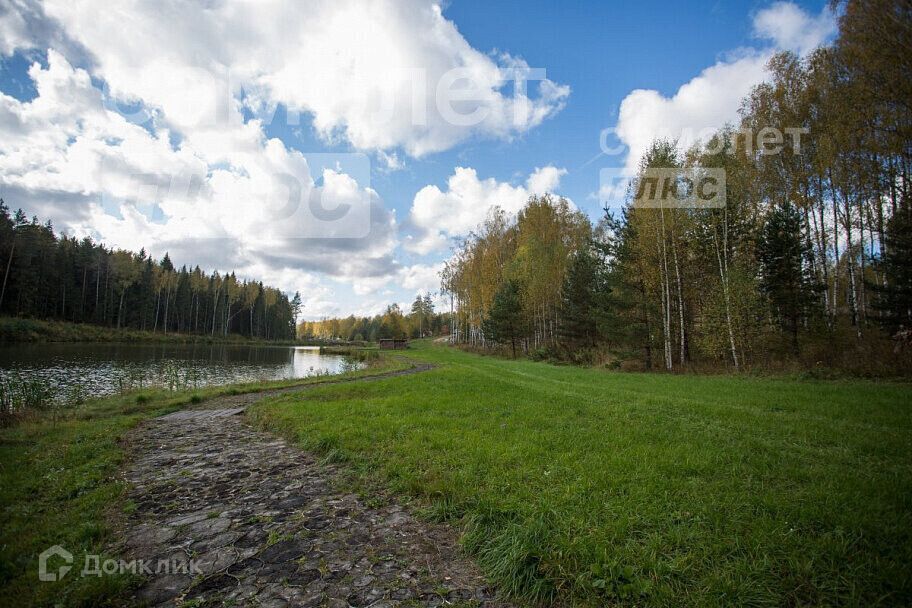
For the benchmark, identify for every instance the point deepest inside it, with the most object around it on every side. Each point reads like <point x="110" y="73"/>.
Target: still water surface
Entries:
<point x="105" y="368"/>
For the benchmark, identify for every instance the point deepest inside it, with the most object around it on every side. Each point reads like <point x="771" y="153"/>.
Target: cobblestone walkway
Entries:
<point x="263" y="525"/>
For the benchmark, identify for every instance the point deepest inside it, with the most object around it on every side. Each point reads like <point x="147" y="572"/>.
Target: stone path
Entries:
<point x="261" y="523"/>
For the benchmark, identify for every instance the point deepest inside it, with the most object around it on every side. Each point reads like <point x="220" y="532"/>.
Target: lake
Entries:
<point x="106" y="368"/>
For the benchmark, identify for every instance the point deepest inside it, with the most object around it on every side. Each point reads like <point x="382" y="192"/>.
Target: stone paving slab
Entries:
<point x="263" y="524"/>
<point x="208" y="413"/>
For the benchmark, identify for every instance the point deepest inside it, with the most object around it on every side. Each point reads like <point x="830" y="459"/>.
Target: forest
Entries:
<point x="421" y="320"/>
<point x="57" y="277"/>
<point x="809" y="261"/>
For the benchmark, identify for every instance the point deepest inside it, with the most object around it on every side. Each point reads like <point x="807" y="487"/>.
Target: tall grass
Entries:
<point x="26" y="396"/>
<point x="22" y="397"/>
<point x="171" y="375"/>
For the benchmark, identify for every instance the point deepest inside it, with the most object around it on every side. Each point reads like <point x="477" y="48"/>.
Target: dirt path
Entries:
<point x="261" y="524"/>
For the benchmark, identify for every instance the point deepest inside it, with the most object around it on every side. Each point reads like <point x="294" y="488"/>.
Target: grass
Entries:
<point x="594" y="488"/>
<point x="59" y="485"/>
<point x="18" y="330"/>
<point x="57" y="482"/>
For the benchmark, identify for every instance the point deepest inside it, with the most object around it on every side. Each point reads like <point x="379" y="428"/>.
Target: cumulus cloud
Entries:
<point x="381" y="75"/>
<point x="423" y="278"/>
<point x="417" y="278"/>
<point x="235" y="200"/>
<point x="440" y="215"/>
<point x="792" y="29"/>
<point x="24" y="25"/>
<point x="711" y="99"/>
<point x="545" y="179"/>
<point x="149" y="126"/>
<point x="13" y="28"/>
<point x="696" y="111"/>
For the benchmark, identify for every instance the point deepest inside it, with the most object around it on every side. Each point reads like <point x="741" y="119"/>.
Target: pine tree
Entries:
<point x="296" y="307"/>
<point x="504" y="321"/>
<point x="784" y="277"/>
<point x="419" y="315"/>
<point x="894" y="299"/>
<point x="582" y="300"/>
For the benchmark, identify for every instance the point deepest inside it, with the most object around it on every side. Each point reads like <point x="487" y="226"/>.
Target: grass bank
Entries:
<point x="598" y="488"/>
<point x="59" y="485"/>
<point x="15" y="329"/>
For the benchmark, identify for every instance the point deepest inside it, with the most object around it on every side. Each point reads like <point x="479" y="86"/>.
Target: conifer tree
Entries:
<point x="784" y="278"/>
<point x="504" y="321"/>
<point x="583" y="299"/>
<point x="894" y="297"/>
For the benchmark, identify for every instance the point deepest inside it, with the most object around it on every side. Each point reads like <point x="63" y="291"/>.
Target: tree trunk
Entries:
<point x="157" y="302"/>
<point x="120" y="307"/>
<point x="167" y="304"/>
<point x="214" y="309"/>
<point x="666" y="295"/>
<point x="836" y="256"/>
<point x="850" y="262"/>
<point x="723" y="276"/>
<point x="97" y="283"/>
<point x="674" y="253"/>
<point x="9" y="262"/>
<point x="85" y="271"/>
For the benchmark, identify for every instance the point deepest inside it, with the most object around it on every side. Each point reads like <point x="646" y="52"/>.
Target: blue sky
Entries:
<point x="174" y="89"/>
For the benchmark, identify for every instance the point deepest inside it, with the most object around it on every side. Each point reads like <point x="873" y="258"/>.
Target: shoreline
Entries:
<point x="15" y="330"/>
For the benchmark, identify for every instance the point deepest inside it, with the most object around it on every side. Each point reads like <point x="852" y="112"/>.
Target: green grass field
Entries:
<point x="597" y="488"/>
<point x="60" y="485"/>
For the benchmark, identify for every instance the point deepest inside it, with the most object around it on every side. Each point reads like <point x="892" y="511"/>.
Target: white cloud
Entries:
<point x="222" y="200"/>
<point x="363" y="286"/>
<point x="792" y="29"/>
<point x="711" y="99"/>
<point x="545" y="179"/>
<point x="389" y="162"/>
<point x="415" y="279"/>
<point x="13" y="29"/>
<point x="439" y="215"/>
<point x="424" y="278"/>
<point x="697" y="110"/>
<point x="380" y="74"/>
<point x="166" y="155"/>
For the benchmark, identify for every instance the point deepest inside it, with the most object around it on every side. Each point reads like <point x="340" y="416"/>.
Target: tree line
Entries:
<point x="810" y="257"/>
<point x="420" y="321"/>
<point x="63" y="278"/>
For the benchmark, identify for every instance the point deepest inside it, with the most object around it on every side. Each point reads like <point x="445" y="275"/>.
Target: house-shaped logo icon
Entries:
<point x="43" y="574"/>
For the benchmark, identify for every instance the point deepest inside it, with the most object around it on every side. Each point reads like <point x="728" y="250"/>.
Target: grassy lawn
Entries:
<point x="596" y="488"/>
<point x="59" y="485"/>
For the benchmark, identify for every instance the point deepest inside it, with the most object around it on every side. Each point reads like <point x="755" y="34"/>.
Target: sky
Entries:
<point x="341" y="148"/>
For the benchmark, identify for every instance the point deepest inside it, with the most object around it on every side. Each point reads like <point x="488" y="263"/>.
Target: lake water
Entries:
<point x="105" y="368"/>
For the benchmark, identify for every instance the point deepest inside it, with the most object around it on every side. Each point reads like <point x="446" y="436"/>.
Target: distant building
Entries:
<point x="393" y="344"/>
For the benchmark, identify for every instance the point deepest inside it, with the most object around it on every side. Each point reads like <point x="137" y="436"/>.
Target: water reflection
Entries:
<point x="104" y="368"/>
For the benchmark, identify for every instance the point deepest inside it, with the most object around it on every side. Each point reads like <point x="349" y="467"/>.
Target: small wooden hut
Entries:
<point x="393" y="344"/>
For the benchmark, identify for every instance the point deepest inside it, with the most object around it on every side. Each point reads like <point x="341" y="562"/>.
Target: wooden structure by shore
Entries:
<point x="393" y="344"/>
